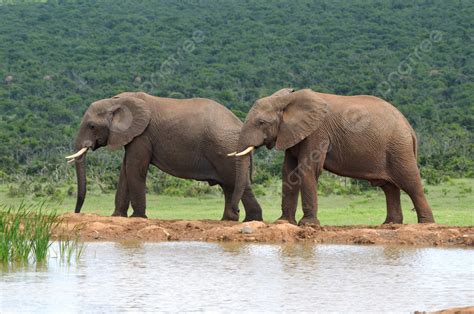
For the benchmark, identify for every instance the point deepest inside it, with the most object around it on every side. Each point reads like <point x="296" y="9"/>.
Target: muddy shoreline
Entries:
<point x="90" y="227"/>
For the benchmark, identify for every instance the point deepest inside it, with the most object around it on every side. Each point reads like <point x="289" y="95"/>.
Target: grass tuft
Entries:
<point x="25" y="235"/>
<point x="70" y="247"/>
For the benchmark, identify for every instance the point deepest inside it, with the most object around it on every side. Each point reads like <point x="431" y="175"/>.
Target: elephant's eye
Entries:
<point x="261" y="122"/>
<point x="90" y="126"/>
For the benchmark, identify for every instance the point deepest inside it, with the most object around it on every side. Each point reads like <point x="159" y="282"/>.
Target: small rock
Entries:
<point x="246" y="230"/>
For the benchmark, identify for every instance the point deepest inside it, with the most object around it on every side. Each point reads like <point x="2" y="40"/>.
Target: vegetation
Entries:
<point x="25" y="236"/>
<point x="25" y="233"/>
<point x="70" y="247"/>
<point x="58" y="56"/>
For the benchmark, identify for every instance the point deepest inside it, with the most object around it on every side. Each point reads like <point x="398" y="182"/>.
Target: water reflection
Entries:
<point x="22" y="267"/>
<point x="129" y="244"/>
<point x="196" y="276"/>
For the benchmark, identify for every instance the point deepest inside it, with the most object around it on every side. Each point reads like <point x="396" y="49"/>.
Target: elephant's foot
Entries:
<point x="230" y="216"/>
<point x="426" y="219"/>
<point x="284" y="219"/>
<point x="307" y="221"/>
<point x="253" y="216"/>
<point x="138" y="215"/>
<point x="393" y="220"/>
<point x="119" y="214"/>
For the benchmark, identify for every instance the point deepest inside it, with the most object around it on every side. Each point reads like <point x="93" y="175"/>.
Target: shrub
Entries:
<point x="433" y="176"/>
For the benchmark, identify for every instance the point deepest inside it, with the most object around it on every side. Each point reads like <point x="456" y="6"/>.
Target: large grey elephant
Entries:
<point x="362" y="137"/>
<point x="187" y="138"/>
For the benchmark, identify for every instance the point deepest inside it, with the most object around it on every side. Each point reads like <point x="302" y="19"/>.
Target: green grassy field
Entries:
<point x="452" y="203"/>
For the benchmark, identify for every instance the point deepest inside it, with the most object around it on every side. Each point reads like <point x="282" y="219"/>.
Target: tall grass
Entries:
<point x="25" y="233"/>
<point x="70" y="247"/>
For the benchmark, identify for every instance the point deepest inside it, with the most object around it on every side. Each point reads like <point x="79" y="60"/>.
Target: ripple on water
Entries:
<point x="197" y="276"/>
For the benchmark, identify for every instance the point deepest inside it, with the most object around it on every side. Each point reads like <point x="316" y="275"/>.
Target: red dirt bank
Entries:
<point x="97" y="228"/>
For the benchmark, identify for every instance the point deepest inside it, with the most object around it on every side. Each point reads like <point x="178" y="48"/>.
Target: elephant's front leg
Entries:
<point x="310" y="167"/>
<point x="309" y="199"/>
<point x="291" y="182"/>
<point x="138" y="157"/>
<point x="122" y="197"/>
<point x="253" y="211"/>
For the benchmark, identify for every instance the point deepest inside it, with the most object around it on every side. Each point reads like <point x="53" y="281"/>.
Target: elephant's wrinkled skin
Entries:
<point x="362" y="137"/>
<point x="187" y="138"/>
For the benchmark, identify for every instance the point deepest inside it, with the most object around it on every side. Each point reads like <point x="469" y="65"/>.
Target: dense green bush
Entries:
<point x="161" y="183"/>
<point x="58" y="57"/>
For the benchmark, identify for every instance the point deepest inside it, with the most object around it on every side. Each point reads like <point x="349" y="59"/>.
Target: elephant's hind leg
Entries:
<point x="409" y="180"/>
<point x="394" y="208"/>
<point x="415" y="190"/>
<point x="253" y="211"/>
<point x="229" y="213"/>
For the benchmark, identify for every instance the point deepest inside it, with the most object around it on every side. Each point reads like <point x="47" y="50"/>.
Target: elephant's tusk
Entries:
<point x="245" y="152"/>
<point x="78" y="154"/>
<point x="70" y="161"/>
<point x="232" y="154"/>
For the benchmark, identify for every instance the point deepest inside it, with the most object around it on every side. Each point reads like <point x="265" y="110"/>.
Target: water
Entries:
<point x="196" y="276"/>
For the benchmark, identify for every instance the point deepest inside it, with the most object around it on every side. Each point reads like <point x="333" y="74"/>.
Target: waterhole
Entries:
<point x="197" y="276"/>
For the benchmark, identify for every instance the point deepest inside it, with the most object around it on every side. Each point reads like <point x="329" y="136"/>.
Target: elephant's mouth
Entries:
<point x="98" y="143"/>
<point x="268" y="144"/>
<point x="78" y="155"/>
<point x="88" y="145"/>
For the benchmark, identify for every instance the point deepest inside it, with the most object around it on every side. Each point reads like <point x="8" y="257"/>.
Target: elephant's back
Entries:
<point x="206" y="109"/>
<point x="368" y="112"/>
<point x="199" y="118"/>
<point x="193" y="136"/>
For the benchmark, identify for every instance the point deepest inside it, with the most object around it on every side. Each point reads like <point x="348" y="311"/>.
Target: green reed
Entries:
<point x="25" y="233"/>
<point x="70" y="247"/>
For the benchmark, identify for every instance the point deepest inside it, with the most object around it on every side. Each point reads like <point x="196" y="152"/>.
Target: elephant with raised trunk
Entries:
<point x="187" y="138"/>
<point x="362" y="137"/>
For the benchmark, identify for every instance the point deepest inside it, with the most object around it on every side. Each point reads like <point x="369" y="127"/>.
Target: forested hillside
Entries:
<point x="57" y="57"/>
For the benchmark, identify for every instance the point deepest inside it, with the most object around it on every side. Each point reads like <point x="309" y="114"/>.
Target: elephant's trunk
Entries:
<point x="241" y="179"/>
<point x="81" y="183"/>
<point x="248" y="141"/>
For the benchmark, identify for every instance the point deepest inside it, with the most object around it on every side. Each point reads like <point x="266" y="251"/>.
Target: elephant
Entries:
<point x="362" y="137"/>
<point x="186" y="138"/>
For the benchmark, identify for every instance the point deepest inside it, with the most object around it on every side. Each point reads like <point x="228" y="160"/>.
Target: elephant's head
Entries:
<point x="283" y="120"/>
<point x="112" y="122"/>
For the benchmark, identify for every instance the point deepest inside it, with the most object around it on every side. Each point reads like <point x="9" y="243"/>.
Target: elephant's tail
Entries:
<point x="415" y="144"/>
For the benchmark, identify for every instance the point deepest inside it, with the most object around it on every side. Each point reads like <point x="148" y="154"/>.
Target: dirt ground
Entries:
<point x="91" y="227"/>
<point x="457" y="310"/>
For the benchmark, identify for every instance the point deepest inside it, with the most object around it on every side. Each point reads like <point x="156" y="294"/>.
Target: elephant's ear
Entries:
<point x="303" y="113"/>
<point x="129" y="117"/>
